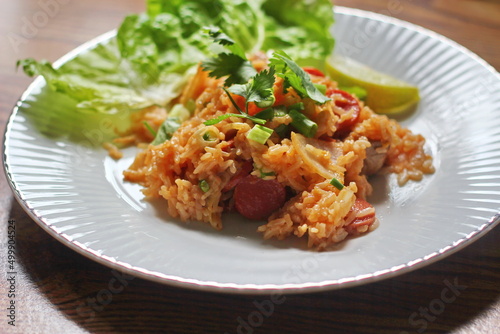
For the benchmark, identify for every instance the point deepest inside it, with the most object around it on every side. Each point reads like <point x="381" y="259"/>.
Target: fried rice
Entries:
<point x="219" y="156"/>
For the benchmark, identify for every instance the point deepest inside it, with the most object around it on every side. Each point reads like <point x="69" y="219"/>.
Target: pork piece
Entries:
<point x="375" y="158"/>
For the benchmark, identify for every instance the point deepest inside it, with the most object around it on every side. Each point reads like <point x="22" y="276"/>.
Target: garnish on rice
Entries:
<point x="256" y="88"/>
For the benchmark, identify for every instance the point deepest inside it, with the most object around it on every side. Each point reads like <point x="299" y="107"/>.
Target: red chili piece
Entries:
<point x="348" y="103"/>
<point x="255" y="198"/>
<point x="313" y="71"/>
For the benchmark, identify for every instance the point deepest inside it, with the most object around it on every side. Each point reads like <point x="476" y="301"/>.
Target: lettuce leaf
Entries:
<point x="148" y="61"/>
<point x="300" y="28"/>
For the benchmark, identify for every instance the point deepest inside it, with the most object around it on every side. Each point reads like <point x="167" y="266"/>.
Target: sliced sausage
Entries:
<point x="345" y="103"/>
<point x="246" y="168"/>
<point x="365" y="214"/>
<point x="255" y="198"/>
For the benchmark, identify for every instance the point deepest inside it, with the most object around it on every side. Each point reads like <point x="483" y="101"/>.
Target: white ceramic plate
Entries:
<point x="76" y="193"/>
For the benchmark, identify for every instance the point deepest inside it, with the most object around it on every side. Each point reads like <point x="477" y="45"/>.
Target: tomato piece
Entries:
<point x="347" y="103"/>
<point x="279" y="94"/>
<point x="241" y="103"/>
<point x="313" y="71"/>
<point x="256" y="198"/>
<point x="253" y="109"/>
<point x="239" y="100"/>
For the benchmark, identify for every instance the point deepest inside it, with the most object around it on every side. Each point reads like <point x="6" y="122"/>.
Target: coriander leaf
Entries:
<point x="267" y="114"/>
<point x="237" y="69"/>
<point x="296" y="77"/>
<point x="166" y="130"/>
<point x="176" y="115"/>
<point x="218" y="36"/>
<point x="258" y="90"/>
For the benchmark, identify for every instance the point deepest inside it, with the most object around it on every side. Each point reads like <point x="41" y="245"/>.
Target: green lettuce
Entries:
<point x="299" y="28"/>
<point x="149" y="60"/>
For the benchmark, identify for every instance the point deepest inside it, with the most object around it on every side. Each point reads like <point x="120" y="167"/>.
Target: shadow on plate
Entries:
<point x="237" y="227"/>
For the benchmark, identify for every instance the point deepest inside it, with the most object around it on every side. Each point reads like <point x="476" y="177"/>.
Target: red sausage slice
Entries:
<point x="255" y="198"/>
<point x="246" y="168"/>
<point x="362" y="219"/>
<point x="347" y="103"/>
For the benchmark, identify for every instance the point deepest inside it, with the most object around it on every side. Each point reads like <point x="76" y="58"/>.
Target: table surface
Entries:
<point x="60" y="291"/>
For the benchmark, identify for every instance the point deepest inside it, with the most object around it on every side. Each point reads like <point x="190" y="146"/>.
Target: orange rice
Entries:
<point x="317" y="209"/>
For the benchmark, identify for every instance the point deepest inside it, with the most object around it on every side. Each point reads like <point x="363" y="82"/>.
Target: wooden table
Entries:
<point x="57" y="289"/>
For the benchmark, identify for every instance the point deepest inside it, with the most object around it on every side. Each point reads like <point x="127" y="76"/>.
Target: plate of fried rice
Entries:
<point x="315" y="196"/>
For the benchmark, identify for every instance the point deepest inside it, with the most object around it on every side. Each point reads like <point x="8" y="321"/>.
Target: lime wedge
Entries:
<point x="385" y="94"/>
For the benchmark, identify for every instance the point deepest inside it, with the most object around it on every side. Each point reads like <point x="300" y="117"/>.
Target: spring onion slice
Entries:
<point x="303" y="124"/>
<point x="259" y="133"/>
<point x="297" y="106"/>
<point x="204" y="186"/>
<point x="336" y="183"/>
<point x="282" y="130"/>
<point x="209" y="136"/>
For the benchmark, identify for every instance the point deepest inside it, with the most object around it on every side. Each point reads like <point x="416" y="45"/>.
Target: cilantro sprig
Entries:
<point x="233" y="64"/>
<point x="258" y="90"/>
<point x="296" y="77"/>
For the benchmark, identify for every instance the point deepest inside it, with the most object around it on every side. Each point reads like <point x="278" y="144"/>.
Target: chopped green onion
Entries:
<point x="204" y="186"/>
<point x="149" y="128"/>
<point x="259" y="133"/>
<point x="266" y="114"/>
<point x="303" y="124"/>
<point x="264" y="174"/>
<point x="209" y="136"/>
<point x="282" y="130"/>
<point x="279" y="111"/>
<point x="321" y="88"/>
<point x="336" y="183"/>
<point x="226" y="116"/>
<point x="297" y="106"/>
